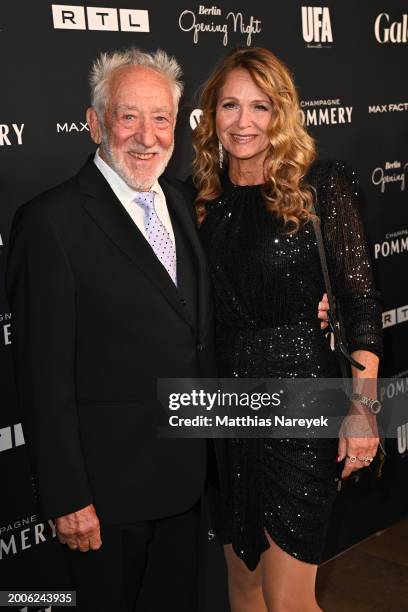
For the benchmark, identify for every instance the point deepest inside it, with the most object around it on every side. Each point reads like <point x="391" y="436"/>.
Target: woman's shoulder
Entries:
<point x="330" y="173"/>
<point x="336" y="188"/>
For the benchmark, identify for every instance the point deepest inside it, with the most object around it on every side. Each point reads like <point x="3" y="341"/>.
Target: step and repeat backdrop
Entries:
<point x="349" y="60"/>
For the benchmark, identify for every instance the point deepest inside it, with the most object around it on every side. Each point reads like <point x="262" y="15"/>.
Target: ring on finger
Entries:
<point x="352" y="458"/>
<point x="368" y="459"/>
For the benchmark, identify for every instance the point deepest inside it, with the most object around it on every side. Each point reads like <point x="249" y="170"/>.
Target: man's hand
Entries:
<point x="322" y="310"/>
<point x="80" y="530"/>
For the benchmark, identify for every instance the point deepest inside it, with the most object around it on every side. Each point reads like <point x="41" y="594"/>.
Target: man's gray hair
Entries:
<point x="107" y="63"/>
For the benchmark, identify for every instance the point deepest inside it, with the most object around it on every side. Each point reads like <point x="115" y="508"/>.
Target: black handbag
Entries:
<point x="343" y="357"/>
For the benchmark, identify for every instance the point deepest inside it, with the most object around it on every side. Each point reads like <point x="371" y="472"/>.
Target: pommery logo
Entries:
<point x="203" y="22"/>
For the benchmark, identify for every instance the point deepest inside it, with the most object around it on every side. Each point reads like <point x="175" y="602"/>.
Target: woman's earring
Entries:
<point x="220" y="154"/>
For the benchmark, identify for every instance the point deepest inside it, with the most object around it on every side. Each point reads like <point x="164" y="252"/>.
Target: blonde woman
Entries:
<point x="255" y="175"/>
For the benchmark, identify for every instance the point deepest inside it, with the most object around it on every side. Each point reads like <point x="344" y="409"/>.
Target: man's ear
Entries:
<point x="95" y="127"/>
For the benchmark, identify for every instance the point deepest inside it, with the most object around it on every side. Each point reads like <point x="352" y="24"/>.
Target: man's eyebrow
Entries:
<point x="159" y="109"/>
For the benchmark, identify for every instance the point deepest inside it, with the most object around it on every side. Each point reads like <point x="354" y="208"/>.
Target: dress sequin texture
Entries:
<point x="266" y="289"/>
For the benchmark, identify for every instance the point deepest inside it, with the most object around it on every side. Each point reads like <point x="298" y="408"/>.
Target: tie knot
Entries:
<point x="145" y="199"/>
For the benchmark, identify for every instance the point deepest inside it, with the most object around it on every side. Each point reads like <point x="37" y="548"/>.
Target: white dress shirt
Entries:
<point x="126" y="196"/>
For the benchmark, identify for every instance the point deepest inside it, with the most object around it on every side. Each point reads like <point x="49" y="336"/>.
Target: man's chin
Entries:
<point x="137" y="180"/>
<point x="141" y="183"/>
<point x="140" y="176"/>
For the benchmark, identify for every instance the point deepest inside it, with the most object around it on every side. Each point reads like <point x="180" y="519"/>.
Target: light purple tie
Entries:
<point x="157" y="235"/>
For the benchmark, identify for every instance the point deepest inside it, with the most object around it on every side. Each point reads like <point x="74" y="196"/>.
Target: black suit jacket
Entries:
<point x="96" y="320"/>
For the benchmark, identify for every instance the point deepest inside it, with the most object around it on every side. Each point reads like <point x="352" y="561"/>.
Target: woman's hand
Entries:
<point x="358" y="440"/>
<point x="322" y="311"/>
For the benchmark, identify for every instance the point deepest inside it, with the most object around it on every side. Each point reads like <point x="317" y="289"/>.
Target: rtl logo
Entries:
<point x="316" y="24"/>
<point x="69" y="17"/>
<point x="395" y="316"/>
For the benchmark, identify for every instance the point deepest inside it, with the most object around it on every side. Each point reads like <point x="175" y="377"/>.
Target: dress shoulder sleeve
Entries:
<point x="348" y="257"/>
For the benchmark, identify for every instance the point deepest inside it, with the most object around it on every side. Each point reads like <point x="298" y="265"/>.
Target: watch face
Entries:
<point x="376" y="407"/>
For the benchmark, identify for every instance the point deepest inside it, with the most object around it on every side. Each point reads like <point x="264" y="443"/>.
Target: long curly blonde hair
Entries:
<point x="292" y="149"/>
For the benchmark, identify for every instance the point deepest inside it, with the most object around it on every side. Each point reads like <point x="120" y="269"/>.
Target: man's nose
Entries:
<point x="146" y="134"/>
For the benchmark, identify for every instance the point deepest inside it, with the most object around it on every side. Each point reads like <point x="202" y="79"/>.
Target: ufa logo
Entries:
<point x="316" y="24"/>
<point x="69" y="17"/>
<point x="402" y="437"/>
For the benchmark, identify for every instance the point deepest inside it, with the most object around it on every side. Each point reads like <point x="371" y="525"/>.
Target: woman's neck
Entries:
<point x="245" y="172"/>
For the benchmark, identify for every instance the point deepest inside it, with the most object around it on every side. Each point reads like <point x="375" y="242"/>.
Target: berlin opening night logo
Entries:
<point x="210" y="20"/>
<point x="392" y="173"/>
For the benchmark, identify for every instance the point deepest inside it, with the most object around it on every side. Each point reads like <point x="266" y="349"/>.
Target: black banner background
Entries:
<point x="44" y="88"/>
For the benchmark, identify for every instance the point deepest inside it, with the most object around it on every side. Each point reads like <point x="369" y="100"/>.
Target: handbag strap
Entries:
<point x="333" y="320"/>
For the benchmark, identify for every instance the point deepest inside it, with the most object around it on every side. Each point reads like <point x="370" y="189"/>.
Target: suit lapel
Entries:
<point x="109" y="214"/>
<point x="180" y="206"/>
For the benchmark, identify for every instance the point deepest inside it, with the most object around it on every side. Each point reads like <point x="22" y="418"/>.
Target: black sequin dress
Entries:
<point x="266" y="289"/>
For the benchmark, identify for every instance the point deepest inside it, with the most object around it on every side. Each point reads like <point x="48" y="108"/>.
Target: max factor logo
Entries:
<point x="72" y="127"/>
<point x="67" y="17"/>
<point x="396" y="32"/>
<point x="10" y="135"/>
<point x="316" y="25"/>
<point x="388" y="108"/>
<point x="11" y="437"/>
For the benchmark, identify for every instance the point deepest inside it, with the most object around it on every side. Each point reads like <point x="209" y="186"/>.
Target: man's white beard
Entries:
<point x="130" y="179"/>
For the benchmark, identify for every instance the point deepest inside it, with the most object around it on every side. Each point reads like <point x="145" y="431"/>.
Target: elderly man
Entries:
<point x="109" y="292"/>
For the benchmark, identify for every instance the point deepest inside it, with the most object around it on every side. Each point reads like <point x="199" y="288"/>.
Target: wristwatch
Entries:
<point x="374" y="405"/>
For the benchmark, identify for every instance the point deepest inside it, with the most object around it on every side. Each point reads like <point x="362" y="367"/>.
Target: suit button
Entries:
<point x="183" y="302"/>
<point x="199" y="347"/>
